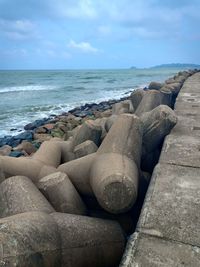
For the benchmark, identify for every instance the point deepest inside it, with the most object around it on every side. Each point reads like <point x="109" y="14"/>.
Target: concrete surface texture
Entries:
<point x="167" y="233"/>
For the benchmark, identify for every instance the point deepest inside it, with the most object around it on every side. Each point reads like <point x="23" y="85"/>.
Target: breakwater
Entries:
<point x="87" y="181"/>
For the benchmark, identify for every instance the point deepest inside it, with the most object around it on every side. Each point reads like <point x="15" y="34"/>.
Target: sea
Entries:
<point x="27" y="95"/>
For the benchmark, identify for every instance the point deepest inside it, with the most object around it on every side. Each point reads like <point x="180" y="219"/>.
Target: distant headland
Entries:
<point x="173" y="65"/>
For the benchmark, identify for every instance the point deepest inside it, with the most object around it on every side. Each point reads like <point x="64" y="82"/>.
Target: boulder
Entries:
<point x="18" y="194"/>
<point x="26" y="146"/>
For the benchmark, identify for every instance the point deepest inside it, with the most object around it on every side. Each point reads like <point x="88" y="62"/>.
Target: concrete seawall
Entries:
<point x="168" y="231"/>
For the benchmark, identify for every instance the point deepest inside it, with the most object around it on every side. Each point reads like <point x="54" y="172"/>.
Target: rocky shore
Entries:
<point x="72" y="186"/>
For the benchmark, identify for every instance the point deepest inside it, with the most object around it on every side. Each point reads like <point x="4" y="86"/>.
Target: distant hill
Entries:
<point x="173" y="65"/>
<point x="177" y="65"/>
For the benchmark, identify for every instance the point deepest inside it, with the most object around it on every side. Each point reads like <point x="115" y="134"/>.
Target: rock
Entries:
<point x="49" y="126"/>
<point x="85" y="148"/>
<point x="89" y="241"/>
<point x="35" y="124"/>
<point x="28" y="147"/>
<point x="28" y="136"/>
<point x="155" y="86"/>
<point x="88" y="131"/>
<point x="42" y="137"/>
<point x="16" y="154"/>
<point x="78" y="171"/>
<point x="41" y="130"/>
<point x="30" y="239"/>
<point x="61" y="193"/>
<point x="18" y="194"/>
<point x="114" y="172"/>
<point x="5" y="150"/>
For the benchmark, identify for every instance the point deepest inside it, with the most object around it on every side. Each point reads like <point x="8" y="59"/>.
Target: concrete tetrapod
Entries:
<point x="78" y="171"/>
<point x="136" y="97"/>
<point x="89" y="241"/>
<point x="156" y="125"/>
<point x="29" y="239"/>
<point x="150" y="100"/>
<point x="21" y="166"/>
<point x="114" y="173"/>
<point x="18" y="194"/>
<point x="49" y="153"/>
<point x="62" y="195"/>
<point x="88" y="131"/>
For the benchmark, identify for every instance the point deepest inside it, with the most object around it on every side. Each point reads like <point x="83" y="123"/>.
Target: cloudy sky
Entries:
<point x="57" y="34"/>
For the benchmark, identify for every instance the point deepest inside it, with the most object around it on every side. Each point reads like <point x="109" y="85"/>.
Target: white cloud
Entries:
<point x="18" y="29"/>
<point x="83" y="47"/>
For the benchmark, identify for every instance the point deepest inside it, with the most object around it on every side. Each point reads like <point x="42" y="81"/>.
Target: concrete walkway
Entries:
<point x="168" y="232"/>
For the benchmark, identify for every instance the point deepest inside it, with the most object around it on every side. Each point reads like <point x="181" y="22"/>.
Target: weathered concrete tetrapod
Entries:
<point x="66" y="150"/>
<point x="88" y="131"/>
<point x="61" y="193"/>
<point x="156" y="125"/>
<point x="18" y="194"/>
<point x="21" y="166"/>
<point x="114" y="173"/>
<point x="136" y="97"/>
<point x="110" y="121"/>
<point x="85" y="148"/>
<point x="89" y="241"/>
<point x="29" y="239"/>
<point x="49" y="153"/>
<point x="78" y="172"/>
<point x="150" y="100"/>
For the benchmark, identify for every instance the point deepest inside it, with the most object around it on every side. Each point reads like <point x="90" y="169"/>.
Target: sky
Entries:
<point x="94" y="34"/>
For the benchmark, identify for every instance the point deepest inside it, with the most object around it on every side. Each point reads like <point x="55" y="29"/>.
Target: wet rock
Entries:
<point x="42" y="137"/>
<point x="16" y="154"/>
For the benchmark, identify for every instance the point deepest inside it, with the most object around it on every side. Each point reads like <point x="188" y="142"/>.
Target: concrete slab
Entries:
<point x="192" y="84"/>
<point x="188" y="97"/>
<point x="181" y="150"/>
<point x="150" y="251"/>
<point x="189" y="106"/>
<point x="188" y="124"/>
<point x="171" y="209"/>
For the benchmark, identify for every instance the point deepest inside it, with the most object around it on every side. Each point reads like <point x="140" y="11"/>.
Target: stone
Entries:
<point x="155" y="86"/>
<point x="30" y="239"/>
<point x="40" y="130"/>
<point x="5" y="150"/>
<point x="42" y="137"/>
<point x="156" y="125"/>
<point x="150" y="100"/>
<point x="18" y="194"/>
<point x="26" y="146"/>
<point x="88" y="131"/>
<point x="78" y="171"/>
<point x="114" y="172"/>
<point x="85" y="148"/>
<point x="61" y="193"/>
<point x="89" y="241"/>
<point x="16" y="154"/>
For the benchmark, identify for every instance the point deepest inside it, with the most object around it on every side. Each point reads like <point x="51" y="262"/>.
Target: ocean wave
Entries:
<point x="14" y="89"/>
